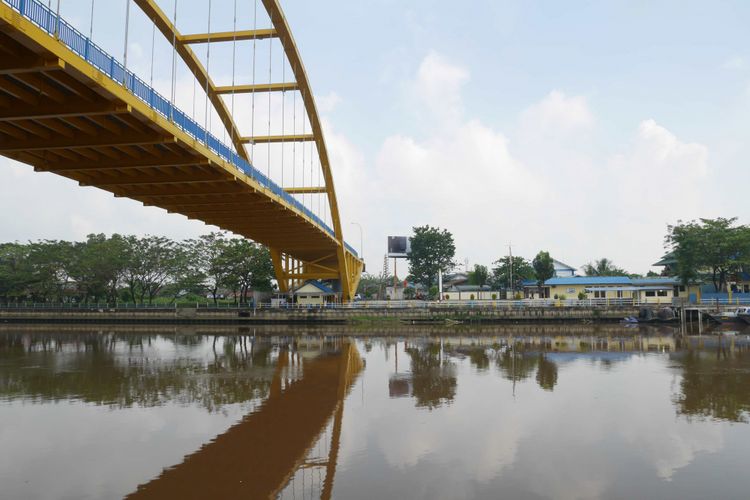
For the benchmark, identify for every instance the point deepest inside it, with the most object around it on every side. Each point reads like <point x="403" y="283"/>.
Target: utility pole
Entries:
<point x="510" y="266"/>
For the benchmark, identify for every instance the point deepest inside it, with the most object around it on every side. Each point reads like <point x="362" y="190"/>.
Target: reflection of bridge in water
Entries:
<point x="266" y="452"/>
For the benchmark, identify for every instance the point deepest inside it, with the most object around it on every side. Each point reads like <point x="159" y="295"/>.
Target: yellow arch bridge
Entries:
<point x="68" y="107"/>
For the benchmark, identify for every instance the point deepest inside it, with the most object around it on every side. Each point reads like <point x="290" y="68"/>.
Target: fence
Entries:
<point x="361" y="305"/>
<point x="49" y="21"/>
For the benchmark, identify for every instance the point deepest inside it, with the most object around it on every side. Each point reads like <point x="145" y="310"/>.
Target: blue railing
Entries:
<point x="43" y="17"/>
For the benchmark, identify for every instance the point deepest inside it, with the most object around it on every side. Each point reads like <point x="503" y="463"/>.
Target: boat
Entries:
<point x="739" y="315"/>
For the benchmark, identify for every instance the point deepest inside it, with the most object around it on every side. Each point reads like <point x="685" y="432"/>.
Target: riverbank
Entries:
<point x="463" y="314"/>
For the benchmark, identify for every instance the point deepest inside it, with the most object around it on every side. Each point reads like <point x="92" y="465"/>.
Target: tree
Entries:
<point x="150" y="263"/>
<point x="210" y="251"/>
<point x="603" y="267"/>
<point x="522" y="271"/>
<point x="97" y="265"/>
<point x="479" y="276"/>
<point x="369" y="284"/>
<point x="714" y="246"/>
<point x="432" y="249"/>
<point x="250" y="267"/>
<point x="544" y="269"/>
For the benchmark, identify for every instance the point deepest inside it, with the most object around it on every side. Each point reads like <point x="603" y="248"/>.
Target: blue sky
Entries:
<point x="580" y="127"/>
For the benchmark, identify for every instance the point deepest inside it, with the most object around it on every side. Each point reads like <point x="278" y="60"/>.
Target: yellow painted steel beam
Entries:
<point x="160" y="180"/>
<point x="258" y="87"/>
<point x="265" y="139"/>
<point x="125" y="164"/>
<point x="43" y="144"/>
<point x="228" y="36"/>
<point x="62" y="110"/>
<point x="162" y="22"/>
<point x="14" y="66"/>
<point x="306" y="190"/>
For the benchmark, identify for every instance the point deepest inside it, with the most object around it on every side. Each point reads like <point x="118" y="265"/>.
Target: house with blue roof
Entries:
<point x="656" y="290"/>
<point x="314" y="293"/>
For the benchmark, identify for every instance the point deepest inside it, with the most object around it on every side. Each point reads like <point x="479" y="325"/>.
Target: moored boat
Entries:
<point x="739" y="315"/>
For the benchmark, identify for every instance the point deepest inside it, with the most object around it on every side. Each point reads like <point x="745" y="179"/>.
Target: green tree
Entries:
<point x="432" y="249"/>
<point x="211" y="253"/>
<point x="603" y="267"/>
<point x="544" y="269"/>
<point x="479" y="275"/>
<point x="717" y="247"/>
<point x="46" y="263"/>
<point x="250" y="267"/>
<point x="522" y="270"/>
<point x="97" y="265"/>
<point x="15" y="274"/>
<point x="150" y="264"/>
<point x="369" y="284"/>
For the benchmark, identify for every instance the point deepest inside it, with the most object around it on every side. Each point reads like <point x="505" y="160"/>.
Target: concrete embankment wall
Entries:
<point x="322" y="316"/>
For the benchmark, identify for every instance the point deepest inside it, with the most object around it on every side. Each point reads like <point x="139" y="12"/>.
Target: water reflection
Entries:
<point x="715" y="382"/>
<point x="222" y="413"/>
<point x="124" y="370"/>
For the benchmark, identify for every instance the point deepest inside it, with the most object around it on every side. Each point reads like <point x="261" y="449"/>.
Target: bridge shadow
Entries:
<point x="258" y="456"/>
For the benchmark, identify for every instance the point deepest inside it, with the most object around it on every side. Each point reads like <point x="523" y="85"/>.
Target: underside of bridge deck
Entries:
<point x="60" y="114"/>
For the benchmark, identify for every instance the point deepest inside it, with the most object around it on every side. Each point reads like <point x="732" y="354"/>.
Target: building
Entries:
<point x="563" y="270"/>
<point x="470" y="292"/>
<point x="641" y="290"/>
<point x="313" y="293"/>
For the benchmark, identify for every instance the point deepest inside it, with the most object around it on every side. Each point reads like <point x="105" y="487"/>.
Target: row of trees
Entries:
<point x="134" y="269"/>
<point x="433" y="249"/>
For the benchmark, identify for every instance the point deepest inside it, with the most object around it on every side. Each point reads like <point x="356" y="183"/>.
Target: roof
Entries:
<point x="589" y="280"/>
<point x="317" y="284"/>
<point x="667" y="259"/>
<point x="469" y="288"/>
<point x="562" y="265"/>
<point x="656" y="280"/>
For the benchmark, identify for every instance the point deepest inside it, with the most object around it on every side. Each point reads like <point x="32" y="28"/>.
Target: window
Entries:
<point x="600" y="294"/>
<point x="682" y="288"/>
<point x="661" y="293"/>
<point x="650" y="293"/>
<point x="619" y="294"/>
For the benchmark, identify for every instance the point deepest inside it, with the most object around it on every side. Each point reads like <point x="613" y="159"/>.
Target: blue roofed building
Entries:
<point x="657" y="290"/>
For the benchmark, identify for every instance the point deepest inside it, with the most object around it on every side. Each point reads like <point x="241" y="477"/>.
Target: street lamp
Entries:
<point x="361" y="240"/>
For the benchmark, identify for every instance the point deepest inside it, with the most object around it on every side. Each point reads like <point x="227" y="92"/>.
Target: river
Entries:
<point x="438" y="412"/>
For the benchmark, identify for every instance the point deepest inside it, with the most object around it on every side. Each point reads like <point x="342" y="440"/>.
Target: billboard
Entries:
<point x="399" y="246"/>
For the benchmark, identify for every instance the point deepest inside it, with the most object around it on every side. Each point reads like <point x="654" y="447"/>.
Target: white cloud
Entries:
<point x="327" y="103"/>
<point x="734" y="63"/>
<point x="557" y="114"/>
<point x="438" y="86"/>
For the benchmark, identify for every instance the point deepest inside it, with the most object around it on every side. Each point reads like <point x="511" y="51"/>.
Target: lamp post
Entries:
<point x="361" y="240"/>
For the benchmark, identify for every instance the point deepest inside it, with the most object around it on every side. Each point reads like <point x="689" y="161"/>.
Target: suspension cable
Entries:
<point x="252" y="112"/>
<point x="125" y="52"/>
<point x="294" y="144"/>
<point x="303" y="146"/>
<point x="234" y="59"/>
<point x="270" y="71"/>
<point x="174" y="58"/>
<point x="283" y="102"/>
<point x="91" y="24"/>
<point x="206" y="123"/>
<point x="153" y="39"/>
<point x="57" y="20"/>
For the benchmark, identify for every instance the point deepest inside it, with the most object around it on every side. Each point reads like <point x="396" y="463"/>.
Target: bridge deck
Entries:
<point x="62" y="114"/>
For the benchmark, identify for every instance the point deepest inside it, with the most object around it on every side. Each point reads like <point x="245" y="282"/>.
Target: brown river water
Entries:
<point x="439" y="412"/>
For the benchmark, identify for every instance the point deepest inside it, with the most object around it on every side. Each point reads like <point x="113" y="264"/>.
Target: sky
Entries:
<point x="581" y="128"/>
